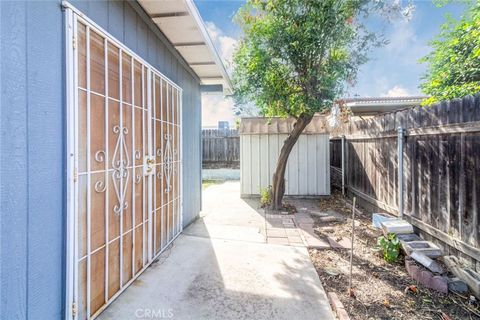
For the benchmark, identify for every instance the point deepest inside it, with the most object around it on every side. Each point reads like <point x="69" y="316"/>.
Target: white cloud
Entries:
<point x="397" y="91"/>
<point x="225" y="44"/>
<point x="405" y="45"/>
<point x="216" y="108"/>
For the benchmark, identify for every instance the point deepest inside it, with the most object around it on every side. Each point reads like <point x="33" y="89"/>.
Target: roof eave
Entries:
<point x="201" y="25"/>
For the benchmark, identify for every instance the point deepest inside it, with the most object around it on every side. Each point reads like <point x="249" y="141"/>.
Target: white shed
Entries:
<point x="308" y="168"/>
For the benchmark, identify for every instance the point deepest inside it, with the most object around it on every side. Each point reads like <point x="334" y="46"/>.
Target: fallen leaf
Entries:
<point x="411" y="288"/>
<point x="386" y="303"/>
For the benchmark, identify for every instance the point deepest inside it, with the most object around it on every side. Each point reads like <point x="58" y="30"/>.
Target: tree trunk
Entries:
<point x="278" y="185"/>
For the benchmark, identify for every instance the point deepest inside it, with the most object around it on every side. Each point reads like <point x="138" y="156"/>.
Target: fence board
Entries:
<point x="441" y="168"/>
<point x="220" y="148"/>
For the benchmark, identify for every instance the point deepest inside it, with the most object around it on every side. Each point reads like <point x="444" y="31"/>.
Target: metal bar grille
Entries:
<point x="113" y="126"/>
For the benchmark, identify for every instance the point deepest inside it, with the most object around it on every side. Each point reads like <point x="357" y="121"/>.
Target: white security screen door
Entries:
<point x="124" y="192"/>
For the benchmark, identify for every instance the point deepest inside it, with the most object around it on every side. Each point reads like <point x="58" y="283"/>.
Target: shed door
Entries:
<point x="126" y="191"/>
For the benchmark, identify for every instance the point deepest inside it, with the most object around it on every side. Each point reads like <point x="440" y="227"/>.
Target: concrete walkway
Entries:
<point x="222" y="268"/>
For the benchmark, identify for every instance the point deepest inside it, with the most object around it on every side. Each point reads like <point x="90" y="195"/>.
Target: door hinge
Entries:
<point x="75" y="174"/>
<point x="74" y="43"/>
<point x="74" y="310"/>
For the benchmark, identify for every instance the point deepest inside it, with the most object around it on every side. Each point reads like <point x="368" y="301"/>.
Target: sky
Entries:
<point x="393" y="70"/>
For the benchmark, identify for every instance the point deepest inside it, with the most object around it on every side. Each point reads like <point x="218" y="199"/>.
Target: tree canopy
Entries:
<point x="296" y="55"/>
<point x="294" y="59"/>
<point x="454" y="64"/>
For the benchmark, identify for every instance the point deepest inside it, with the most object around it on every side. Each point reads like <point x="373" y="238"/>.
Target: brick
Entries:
<point x="344" y="243"/>
<point x="439" y="284"/>
<point x="412" y="269"/>
<point x="424" y="277"/>
<point x="426" y="262"/>
<point x="337" y="306"/>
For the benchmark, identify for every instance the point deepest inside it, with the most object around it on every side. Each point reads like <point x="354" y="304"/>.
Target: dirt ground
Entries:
<point x="379" y="287"/>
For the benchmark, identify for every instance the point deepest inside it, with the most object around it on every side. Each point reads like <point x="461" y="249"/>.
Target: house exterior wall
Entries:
<point x="308" y="168"/>
<point x="33" y="142"/>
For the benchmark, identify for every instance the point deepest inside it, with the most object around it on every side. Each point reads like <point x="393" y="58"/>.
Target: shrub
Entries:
<point x="265" y="197"/>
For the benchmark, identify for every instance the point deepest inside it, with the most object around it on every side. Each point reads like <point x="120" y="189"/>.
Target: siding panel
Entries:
<point x="14" y="205"/>
<point x="32" y="149"/>
<point x="45" y="162"/>
<point x="308" y="166"/>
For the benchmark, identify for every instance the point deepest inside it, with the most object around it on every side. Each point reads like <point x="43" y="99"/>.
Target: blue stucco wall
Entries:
<point x="32" y="144"/>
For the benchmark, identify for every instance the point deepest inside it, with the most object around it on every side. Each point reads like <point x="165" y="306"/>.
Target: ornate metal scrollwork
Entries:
<point x="120" y="174"/>
<point x="100" y="156"/>
<point x="168" y="162"/>
<point x="138" y="155"/>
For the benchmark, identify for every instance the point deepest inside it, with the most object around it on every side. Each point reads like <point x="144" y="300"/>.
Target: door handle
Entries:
<point x="149" y="165"/>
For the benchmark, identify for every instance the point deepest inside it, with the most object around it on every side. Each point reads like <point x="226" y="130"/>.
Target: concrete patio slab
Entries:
<point x="231" y="274"/>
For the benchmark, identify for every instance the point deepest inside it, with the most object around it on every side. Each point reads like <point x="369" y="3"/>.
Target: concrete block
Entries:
<point x="426" y="262"/>
<point x="408" y="237"/>
<point x="397" y="226"/>
<point x="426" y="247"/>
<point x="378" y="218"/>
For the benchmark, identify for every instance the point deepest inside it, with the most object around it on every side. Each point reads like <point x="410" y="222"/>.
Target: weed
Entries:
<point x="390" y="246"/>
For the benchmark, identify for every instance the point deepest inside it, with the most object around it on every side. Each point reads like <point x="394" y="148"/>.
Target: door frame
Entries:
<point x="72" y="16"/>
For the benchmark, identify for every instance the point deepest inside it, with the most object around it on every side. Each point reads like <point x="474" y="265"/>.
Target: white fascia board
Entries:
<point x="196" y="15"/>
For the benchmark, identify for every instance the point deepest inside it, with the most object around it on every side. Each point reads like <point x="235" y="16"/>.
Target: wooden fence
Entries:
<point x="220" y="148"/>
<point x="441" y="169"/>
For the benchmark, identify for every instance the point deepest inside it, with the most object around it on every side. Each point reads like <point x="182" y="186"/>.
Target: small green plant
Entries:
<point x="265" y="197"/>
<point x="390" y="246"/>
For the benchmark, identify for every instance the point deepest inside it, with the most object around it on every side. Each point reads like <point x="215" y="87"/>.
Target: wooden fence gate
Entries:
<point x="124" y="148"/>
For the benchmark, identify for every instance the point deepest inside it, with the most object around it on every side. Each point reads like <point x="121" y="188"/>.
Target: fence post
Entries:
<point x="401" y="136"/>
<point x="343" y="164"/>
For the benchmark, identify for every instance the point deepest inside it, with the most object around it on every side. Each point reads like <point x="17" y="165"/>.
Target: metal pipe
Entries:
<point x="400" y="138"/>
